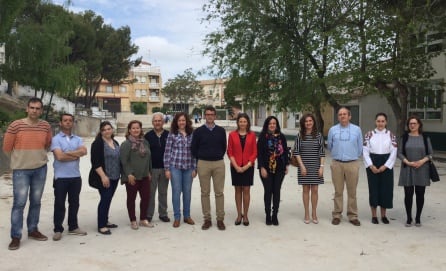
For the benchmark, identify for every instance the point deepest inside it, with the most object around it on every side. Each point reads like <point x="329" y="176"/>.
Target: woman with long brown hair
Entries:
<point x="309" y="150"/>
<point x="180" y="166"/>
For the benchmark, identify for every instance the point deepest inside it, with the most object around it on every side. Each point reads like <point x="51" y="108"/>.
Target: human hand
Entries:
<point x="105" y="182"/>
<point x="263" y="172"/>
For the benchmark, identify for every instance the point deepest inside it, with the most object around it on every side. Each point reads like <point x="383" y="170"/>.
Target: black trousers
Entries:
<point x="62" y="188"/>
<point x="272" y="185"/>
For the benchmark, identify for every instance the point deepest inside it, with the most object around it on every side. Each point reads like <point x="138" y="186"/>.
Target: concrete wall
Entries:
<point x="86" y="126"/>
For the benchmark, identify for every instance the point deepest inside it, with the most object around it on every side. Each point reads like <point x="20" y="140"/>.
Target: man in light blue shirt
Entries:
<point x="345" y="143"/>
<point x="67" y="149"/>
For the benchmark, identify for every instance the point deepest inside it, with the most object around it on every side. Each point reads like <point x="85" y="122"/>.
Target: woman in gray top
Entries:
<point x="137" y="167"/>
<point x="415" y="151"/>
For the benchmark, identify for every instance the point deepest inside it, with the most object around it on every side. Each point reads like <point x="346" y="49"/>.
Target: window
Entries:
<point x="426" y="101"/>
<point x="137" y="93"/>
<point x="143" y="92"/>
<point x="109" y="89"/>
<point x="123" y="89"/>
<point x="432" y="42"/>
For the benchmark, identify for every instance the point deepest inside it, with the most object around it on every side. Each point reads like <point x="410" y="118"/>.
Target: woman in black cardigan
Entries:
<point x="105" y="172"/>
<point x="272" y="160"/>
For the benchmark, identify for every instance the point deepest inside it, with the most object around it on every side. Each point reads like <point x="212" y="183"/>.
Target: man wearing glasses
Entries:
<point x="209" y="147"/>
<point x="345" y="143"/>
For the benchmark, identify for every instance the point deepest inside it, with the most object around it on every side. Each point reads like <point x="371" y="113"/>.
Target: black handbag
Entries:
<point x="94" y="180"/>
<point x="433" y="173"/>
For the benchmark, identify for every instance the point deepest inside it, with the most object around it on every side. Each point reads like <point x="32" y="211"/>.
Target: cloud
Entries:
<point x="168" y="32"/>
<point x="170" y="57"/>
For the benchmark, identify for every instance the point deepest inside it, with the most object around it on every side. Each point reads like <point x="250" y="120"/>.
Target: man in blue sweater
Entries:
<point x="209" y="147"/>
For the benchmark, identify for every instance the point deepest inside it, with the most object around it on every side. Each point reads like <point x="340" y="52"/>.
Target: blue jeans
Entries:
<point x="26" y="181"/>
<point x="105" y="202"/>
<point x="181" y="180"/>
<point x="62" y="188"/>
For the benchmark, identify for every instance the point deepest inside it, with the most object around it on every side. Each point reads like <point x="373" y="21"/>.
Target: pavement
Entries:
<point x="292" y="245"/>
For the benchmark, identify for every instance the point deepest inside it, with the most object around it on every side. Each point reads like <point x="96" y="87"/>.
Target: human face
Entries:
<point x="66" y="124"/>
<point x="272" y="125"/>
<point x="309" y="123"/>
<point x="210" y="117"/>
<point x="34" y="110"/>
<point x="344" y="116"/>
<point x="181" y="123"/>
<point x="135" y="130"/>
<point x="243" y="124"/>
<point x="107" y="131"/>
<point x="157" y="123"/>
<point x="413" y="125"/>
<point x="380" y="123"/>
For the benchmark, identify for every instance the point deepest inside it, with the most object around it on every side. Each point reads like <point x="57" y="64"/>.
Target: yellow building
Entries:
<point x="143" y="85"/>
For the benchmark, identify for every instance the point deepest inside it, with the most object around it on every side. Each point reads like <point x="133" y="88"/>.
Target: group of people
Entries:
<point x="379" y="149"/>
<point x="145" y="163"/>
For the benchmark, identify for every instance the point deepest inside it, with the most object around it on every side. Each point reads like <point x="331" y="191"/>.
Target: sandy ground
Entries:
<point x="292" y="245"/>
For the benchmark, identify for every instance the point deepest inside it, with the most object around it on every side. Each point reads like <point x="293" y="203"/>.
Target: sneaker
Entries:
<point x="15" y="244"/>
<point x="77" y="231"/>
<point x="57" y="236"/>
<point x="37" y="235"/>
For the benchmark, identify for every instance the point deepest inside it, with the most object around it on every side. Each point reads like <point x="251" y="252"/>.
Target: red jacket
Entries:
<point x="249" y="153"/>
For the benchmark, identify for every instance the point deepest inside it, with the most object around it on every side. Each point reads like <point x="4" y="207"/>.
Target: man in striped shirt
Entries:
<point x="26" y="142"/>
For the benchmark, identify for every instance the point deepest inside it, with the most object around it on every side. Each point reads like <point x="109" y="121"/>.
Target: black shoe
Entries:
<point x="111" y="225"/>
<point x="106" y="232"/>
<point x="275" y="220"/>
<point x="268" y="220"/>
<point x="375" y="220"/>
<point x="385" y="220"/>
<point x="417" y="222"/>
<point x="149" y="218"/>
<point x="409" y="222"/>
<point x="164" y="219"/>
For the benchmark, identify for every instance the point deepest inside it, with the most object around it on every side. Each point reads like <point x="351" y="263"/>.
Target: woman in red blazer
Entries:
<point x="242" y="151"/>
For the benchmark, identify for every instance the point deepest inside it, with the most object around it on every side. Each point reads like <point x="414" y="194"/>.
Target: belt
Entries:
<point x="340" y="161"/>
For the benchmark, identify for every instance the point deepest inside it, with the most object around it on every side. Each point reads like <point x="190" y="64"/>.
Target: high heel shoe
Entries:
<point x="245" y="222"/>
<point x="238" y="222"/>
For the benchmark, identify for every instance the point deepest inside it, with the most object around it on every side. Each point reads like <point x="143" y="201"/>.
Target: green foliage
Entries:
<point x="139" y="108"/>
<point x="183" y="88"/>
<point x="299" y="55"/>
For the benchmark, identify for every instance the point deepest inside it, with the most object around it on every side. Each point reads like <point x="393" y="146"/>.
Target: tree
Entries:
<point x="37" y="51"/>
<point x="8" y="14"/>
<point x="182" y="88"/>
<point x="102" y="52"/>
<point x="277" y="52"/>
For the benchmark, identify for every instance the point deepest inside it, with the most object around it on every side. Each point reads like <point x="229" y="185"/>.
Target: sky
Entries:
<point x="169" y="33"/>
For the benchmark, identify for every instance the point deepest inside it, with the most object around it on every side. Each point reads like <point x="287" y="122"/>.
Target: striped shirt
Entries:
<point x="27" y="144"/>
<point x="178" y="152"/>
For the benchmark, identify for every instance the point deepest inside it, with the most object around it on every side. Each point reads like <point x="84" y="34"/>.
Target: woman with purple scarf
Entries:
<point x="137" y="166"/>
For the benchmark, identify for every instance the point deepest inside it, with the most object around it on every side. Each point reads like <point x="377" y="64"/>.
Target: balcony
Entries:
<point x="154" y="99"/>
<point x="154" y="85"/>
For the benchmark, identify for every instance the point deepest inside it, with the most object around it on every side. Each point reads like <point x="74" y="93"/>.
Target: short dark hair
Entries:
<point x="35" y="100"/>
<point x="66" y="114"/>
<point x="210" y="108"/>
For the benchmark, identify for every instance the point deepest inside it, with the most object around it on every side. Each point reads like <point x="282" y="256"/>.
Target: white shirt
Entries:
<point x="379" y="142"/>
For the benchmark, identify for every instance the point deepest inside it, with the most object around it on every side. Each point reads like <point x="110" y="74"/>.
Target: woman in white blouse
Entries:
<point x="379" y="151"/>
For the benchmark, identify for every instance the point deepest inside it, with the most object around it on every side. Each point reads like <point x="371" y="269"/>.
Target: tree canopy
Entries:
<point x="299" y="55"/>
<point x="182" y="88"/>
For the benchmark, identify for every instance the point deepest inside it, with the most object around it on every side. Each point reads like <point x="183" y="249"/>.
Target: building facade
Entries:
<point x="143" y="86"/>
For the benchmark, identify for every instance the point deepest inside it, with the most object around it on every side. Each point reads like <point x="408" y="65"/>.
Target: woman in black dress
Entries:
<point x="242" y="152"/>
